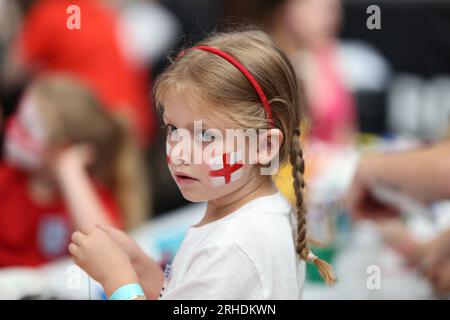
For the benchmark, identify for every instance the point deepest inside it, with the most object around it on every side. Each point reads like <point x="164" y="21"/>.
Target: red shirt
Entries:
<point x="91" y="53"/>
<point x="32" y="234"/>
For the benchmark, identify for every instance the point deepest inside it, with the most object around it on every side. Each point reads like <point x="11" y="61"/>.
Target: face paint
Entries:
<point x="226" y="168"/>
<point x="25" y="137"/>
<point x="168" y="150"/>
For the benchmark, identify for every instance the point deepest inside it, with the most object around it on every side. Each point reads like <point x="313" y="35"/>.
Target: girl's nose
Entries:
<point x="181" y="153"/>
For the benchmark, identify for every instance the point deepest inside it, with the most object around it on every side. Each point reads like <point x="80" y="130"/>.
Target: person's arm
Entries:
<point x="76" y="186"/>
<point x="149" y="272"/>
<point x="423" y="174"/>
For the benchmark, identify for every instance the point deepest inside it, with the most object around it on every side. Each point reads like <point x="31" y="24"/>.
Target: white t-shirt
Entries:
<point x="249" y="254"/>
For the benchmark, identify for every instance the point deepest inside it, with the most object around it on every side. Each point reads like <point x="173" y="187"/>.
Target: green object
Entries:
<point x="325" y="253"/>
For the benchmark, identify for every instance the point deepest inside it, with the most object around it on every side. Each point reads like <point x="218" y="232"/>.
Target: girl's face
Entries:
<point x="26" y="136"/>
<point x="219" y="171"/>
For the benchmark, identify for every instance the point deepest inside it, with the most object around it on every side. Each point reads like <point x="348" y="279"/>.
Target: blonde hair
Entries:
<point x="219" y="82"/>
<point x="73" y="115"/>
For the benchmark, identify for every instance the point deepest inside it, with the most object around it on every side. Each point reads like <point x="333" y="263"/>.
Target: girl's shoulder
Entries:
<point x="261" y="226"/>
<point x="262" y="223"/>
<point x="264" y="214"/>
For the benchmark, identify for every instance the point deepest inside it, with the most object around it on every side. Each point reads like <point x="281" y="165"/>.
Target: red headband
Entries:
<point x="246" y="73"/>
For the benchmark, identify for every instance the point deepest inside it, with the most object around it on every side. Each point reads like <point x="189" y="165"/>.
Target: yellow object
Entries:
<point x="284" y="182"/>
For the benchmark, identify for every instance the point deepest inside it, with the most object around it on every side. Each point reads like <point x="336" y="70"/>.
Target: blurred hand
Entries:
<point x="105" y="261"/>
<point x="397" y="235"/>
<point x="434" y="261"/>
<point x="360" y="201"/>
<point x="439" y="277"/>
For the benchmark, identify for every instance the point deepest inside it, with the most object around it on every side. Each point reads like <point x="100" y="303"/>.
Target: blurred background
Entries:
<point x="367" y="91"/>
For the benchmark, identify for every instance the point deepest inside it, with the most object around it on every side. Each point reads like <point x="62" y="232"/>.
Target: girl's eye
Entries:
<point x="205" y="136"/>
<point x="171" y="129"/>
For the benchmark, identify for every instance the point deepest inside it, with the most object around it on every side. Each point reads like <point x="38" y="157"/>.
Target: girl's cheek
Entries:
<point x="225" y="169"/>
<point x="168" y="151"/>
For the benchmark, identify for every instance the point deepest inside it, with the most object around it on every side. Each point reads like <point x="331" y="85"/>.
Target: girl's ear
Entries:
<point x="269" y="144"/>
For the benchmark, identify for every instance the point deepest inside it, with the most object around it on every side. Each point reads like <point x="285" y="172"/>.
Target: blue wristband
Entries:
<point x="128" y="292"/>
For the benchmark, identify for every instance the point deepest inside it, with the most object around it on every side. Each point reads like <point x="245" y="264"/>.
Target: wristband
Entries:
<point x="128" y="292"/>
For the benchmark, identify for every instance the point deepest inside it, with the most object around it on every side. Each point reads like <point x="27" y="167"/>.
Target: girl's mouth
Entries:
<point x="184" y="179"/>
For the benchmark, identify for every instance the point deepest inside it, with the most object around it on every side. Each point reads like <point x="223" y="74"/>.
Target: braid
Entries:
<point x="298" y="170"/>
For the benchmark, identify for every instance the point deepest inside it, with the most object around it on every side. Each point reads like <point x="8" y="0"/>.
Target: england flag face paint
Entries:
<point x="226" y="168"/>
<point x="25" y="136"/>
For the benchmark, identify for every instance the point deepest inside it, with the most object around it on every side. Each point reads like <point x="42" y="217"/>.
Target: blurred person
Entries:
<point x="250" y="243"/>
<point x="67" y="164"/>
<point x="92" y="53"/>
<point x="405" y="172"/>
<point x="307" y="31"/>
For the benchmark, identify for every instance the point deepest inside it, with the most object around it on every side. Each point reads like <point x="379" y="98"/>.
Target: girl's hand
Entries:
<point x="147" y="269"/>
<point x="124" y="241"/>
<point x="97" y="254"/>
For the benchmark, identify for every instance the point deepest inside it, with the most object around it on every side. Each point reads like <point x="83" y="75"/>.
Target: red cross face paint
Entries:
<point x="226" y="168"/>
<point x="25" y="136"/>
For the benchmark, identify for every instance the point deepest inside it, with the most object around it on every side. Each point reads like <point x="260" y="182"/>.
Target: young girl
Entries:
<point x="65" y="166"/>
<point x="249" y="244"/>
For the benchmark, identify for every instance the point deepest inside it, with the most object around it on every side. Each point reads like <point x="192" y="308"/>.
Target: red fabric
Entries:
<point x="91" y="53"/>
<point x="32" y="234"/>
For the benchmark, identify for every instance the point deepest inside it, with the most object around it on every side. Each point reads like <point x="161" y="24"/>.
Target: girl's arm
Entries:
<point x="108" y="262"/>
<point x="97" y="254"/>
<point x="75" y="184"/>
<point x="150" y="275"/>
